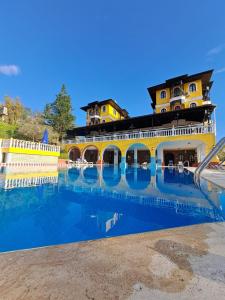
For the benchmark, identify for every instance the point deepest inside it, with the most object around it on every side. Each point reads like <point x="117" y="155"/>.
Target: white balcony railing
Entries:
<point x="182" y="98"/>
<point x="146" y="134"/>
<point x="14" y="143"/>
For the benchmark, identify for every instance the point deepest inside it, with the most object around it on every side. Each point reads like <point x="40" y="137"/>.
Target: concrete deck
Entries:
<point x="215" y="176"/>
<point x="176" y="264"/>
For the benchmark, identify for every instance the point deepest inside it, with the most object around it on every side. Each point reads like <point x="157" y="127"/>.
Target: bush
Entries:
<point x="64" y="155"/>
<point x="6" y="130"/>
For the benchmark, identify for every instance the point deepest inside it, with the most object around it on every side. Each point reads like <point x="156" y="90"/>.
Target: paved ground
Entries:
<point x="215" y="176"/>
<point x="177" y="264"/>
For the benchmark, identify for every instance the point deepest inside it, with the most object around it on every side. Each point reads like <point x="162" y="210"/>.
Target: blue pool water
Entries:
<point x="92" y="203"/>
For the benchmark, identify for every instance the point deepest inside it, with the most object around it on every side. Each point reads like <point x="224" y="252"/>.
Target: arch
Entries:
<point x="73" y="174"/>
<point x="192" y="87"/>
<point x="138" y="153"/>
<point x="177" y="107"/>
<point x="74" y="153"/>
<point x="163" y="94"/>
<point x="138" y="178"/>
<point x="193" y="104"/>
<point x="188" y="151"/>
<point x="90" y="175"/>
<point x="176" y="92"/>
<point x="111" y="175"/>
<point x="91" y="154"/>
<point x="111" y="155"/>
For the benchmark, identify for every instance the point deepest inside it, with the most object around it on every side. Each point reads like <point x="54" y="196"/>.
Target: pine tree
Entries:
<point x="59" y="113"/>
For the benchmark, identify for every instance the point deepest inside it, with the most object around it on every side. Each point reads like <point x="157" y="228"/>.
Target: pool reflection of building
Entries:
<point x="162" y="189"/>
<point x="101" y="202"/>
<point x="26" y="177"/>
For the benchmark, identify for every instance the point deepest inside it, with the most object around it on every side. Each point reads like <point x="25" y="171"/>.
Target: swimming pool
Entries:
<point x="90" y="203"/>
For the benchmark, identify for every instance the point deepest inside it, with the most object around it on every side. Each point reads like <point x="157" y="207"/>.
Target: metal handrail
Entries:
<point x="219" y="146"/>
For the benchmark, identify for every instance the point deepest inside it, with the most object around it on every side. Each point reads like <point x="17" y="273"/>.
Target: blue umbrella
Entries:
<point x="45" y="137"/>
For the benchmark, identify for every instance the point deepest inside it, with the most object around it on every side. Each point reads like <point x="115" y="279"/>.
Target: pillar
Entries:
<point x="116" y="156"/>
<point x="135" y="157"/>
<point x="153" y="166"/>
<point x="100" y="158"/>
<point x="123" y="163"/>
<point x="159" y="162"/>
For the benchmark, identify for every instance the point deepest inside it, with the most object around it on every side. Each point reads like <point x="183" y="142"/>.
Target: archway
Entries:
<point x="168" y="158"/>
<point x="74" y="154"/>
<point x="90" y="175"/>
<point x="189" y="152"/>
<point x="111" y="175"/>
<point x="91" y="154"/>
<point x="138" y="178"/>
<point x="73" y="174"/>
<point x="138" y="154"/>
<point x="112" y="155"/>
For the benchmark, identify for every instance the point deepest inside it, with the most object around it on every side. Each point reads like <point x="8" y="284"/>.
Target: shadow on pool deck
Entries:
<point x="181" y="263"/>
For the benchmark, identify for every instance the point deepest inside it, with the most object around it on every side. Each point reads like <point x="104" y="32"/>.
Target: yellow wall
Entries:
<point x="29" y="151"/>
<point x="152" y="143"/>
<point x="109" y="115"/>
<point x="191" y="97"/>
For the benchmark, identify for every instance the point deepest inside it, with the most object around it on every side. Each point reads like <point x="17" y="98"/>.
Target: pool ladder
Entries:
<point x="220" y="146"/>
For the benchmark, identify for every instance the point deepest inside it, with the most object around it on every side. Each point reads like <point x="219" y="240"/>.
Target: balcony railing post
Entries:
<point x="173" y="131"/>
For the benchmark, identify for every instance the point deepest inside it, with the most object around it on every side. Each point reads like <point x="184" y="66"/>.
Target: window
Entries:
<point x="176" y="92"/>
<point x="114" y="111"/>
<point x="177" y="107"/>
<point x="193" y="105"/>
<point x="163" y="110"/>
<point x="163" y="94"/>
<point x="192" y="87"/>
<point x="103" y="108"/>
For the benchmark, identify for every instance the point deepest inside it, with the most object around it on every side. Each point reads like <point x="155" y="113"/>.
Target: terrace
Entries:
<point x="21" y="144"/>
<point x="146" y="134"/>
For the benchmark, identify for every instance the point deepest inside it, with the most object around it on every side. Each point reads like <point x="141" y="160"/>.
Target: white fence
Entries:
<point x="28" y="145"/>
<point x="146" y="134"/>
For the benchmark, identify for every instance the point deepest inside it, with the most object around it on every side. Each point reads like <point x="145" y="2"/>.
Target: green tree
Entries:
<point x="59" y="113"/>
<point x="221" y="155"/>
<point x="33" y="127"/>
<point x="15" y="110"/>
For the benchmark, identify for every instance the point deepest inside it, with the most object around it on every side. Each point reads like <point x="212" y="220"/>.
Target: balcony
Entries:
<point x="20" y="144"/>
<point x="180" y="98"/>
<point x="146" y="134"/>
<point x="94" y="115"/>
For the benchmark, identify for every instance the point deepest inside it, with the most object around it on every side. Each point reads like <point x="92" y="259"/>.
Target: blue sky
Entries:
<point x="108" y="49"/>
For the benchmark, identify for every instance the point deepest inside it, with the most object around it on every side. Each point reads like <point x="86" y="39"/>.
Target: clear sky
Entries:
<point x="108" y="49"/>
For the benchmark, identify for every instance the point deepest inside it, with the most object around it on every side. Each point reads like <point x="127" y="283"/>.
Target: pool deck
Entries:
<point x="215" y="176"/>
<point x="176" y="264"/>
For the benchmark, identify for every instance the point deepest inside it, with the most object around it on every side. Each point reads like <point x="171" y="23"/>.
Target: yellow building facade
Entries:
<point x="181" y="128"/>
<point x="181" y="92"/>
<point x="103" y="111"/>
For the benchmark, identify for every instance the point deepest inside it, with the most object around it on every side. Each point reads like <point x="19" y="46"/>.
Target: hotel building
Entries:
<point x="181" y="127"/>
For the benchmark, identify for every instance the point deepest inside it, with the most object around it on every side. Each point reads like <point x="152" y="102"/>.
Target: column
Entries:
<point x="153" y="166"/>
<point x="123" y="163"/>
<point x="100" y="158"/>
<point x="135" y="157"/>
<point x="116" y="156"/>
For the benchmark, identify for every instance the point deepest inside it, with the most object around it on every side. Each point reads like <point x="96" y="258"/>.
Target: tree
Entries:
<point x="221" y="155"/>
<point x="33" y="128"/>
<point x="59" y="113"/>
<point x="15" y="110"/>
